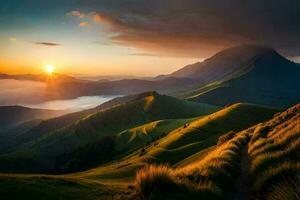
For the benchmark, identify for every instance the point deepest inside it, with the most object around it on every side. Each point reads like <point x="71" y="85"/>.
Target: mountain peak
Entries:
<point x="228" y="62"/>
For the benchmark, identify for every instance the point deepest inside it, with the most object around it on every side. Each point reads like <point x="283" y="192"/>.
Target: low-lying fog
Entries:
<point x="32" y="93"/>
<point x="79" y="103"/>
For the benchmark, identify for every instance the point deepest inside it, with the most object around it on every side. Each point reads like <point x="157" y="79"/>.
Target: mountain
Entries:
<point x="60" y="86"/>
<point x="11" y="116"/>
<point x="225" y="64"/>
<point x="48" y="151"/>
<point x="39" y="77"/>
<point x="245" y="73"/>
<point x="269" y="80"/>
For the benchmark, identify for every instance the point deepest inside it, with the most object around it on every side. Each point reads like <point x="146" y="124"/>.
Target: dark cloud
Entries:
<point x="198" y="27"/>
<point x="49" y="44"/>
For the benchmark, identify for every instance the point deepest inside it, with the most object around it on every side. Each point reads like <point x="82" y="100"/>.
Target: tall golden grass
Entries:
<point x="274" y="165"/>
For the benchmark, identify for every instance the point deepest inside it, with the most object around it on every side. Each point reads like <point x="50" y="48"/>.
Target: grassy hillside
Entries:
<point x="114" y="180"/>
<point x="261" y="162"/>
<point x="15" y="137"/>
<point x="137" y="137"/>
<point x="55" y="150"/>
<point x="183" y="144"/>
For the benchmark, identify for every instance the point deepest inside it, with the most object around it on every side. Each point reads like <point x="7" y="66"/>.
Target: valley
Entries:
<point x="224" y="128"/>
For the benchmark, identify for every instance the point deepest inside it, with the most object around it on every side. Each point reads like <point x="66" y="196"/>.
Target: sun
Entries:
<point x="49" y="69"/>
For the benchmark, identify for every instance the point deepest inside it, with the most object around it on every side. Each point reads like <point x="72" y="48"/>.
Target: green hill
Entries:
<point x="182" y="143"/>
<point x="113" y="180"/>
<point x="33" y="130"/>
<point x="261" y="162"/>
<point x="55" y="150"/>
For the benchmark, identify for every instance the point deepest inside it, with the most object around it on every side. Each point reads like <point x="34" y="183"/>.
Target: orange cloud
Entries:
<point x="101" y="18"/>
<point x="83" y="24"/>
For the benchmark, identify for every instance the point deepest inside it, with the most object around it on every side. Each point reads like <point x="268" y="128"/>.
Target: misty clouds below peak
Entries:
<point x="15" y="92"/>
<point x="33" y="94"/>
<point x="76" y="104"/>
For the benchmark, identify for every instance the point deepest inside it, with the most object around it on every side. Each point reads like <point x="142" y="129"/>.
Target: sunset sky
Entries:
<point x="137" y="37"/>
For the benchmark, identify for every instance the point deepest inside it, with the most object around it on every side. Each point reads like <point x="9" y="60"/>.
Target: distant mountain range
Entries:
<point x="11" y="116"/>
<point x="240" y="74"/>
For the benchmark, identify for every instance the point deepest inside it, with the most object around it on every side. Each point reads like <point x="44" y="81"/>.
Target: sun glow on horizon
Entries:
<point x="49" y="69"/>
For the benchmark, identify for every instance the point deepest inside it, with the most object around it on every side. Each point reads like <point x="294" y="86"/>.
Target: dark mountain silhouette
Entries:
<point x="11" y="116"/>
<point x="269" y="79"/>
<point x="225" y="64"/>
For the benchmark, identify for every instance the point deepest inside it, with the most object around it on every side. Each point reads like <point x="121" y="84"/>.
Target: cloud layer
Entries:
<point x="197" y="27"/>
<point x="13" y="92"/>
<point x="49" y="44"/>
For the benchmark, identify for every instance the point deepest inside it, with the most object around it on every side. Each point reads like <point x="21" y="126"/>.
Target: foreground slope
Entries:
<point x="110" y="181"/>
<point x="67" y="147"/>
<point x="261" y="162"/>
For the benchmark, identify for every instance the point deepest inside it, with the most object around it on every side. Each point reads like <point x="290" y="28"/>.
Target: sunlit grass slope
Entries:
<point x="115" y="179"/>
<point x="79" y="145"/>
<point x="134" y="138"/>
<point x="184" y="144"/>
<point x="261" y="162"/>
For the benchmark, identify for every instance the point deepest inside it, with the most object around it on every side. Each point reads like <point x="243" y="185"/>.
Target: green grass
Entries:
<point x="185" y="143"/>
<point x="50" y="188"/>
<point x="135" y="138"/>
<point x="211" y="177"/>
<point x="274" y="151"/>
<point x="272" y="169"/>
<point x="197" y="167"/>
<point x="47" y="152"/>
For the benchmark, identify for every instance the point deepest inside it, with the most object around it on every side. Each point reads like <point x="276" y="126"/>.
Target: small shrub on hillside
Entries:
<point x="153" y="179"/>
<point x="227" y="136"/>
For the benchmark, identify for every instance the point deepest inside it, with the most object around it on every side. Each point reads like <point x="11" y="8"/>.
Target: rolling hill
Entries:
<point x="37" y="129"/>
<point x="55" y="149"/>
<point x="182" y="144"/>
<point x="261" y="162"/>
<point x="115" y="180"/>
